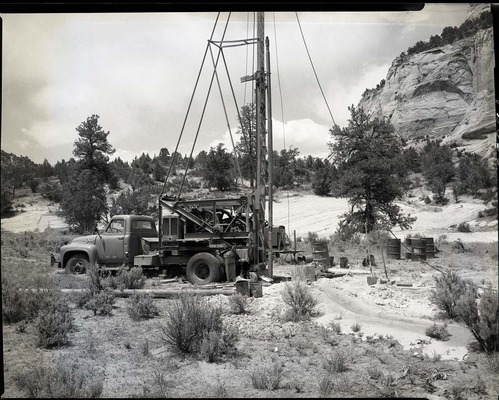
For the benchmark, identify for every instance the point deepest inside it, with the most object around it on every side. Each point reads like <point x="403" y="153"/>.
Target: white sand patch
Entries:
<point x="310" y="213"/>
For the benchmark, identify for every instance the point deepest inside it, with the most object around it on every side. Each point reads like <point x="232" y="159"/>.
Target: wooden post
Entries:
<point x="294" y="246"/>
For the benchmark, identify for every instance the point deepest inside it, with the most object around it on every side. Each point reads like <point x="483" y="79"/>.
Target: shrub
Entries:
<point x="54" y="321"/>
<point x="458" y="299"/>
<point x="215" y="344"/>
<point x="188" y="318"/>
<point x="441" y="239"/>
<point x="267" y="377"/>
<point x="480" y="317"/>
<point x="141" y="306"/>
<point x="101" y="302"/>
<point x="301" y="302"/>
<point x="220" y="390"/>
<point x="458" y="246"/>
<point x="326" y="386"/>
<point x="19" y="304"/>
<point x="463" y="227"/>
<point x="81" y="298"/>
<point x="22" y="326"/>
<point x="492" y="361"/>
<point x="449" y="287"/>
<point x="130" y="279"/>
<point x="438" y="332"/>
<point x="68" y="377"/>
<point x="95" y="282"/>
<point x="356" y="327"/>
<point x="336" y="362"/>
<point x="312" y="237"/>
<point x="335" y="326"/>
<point x="238" y="303"/>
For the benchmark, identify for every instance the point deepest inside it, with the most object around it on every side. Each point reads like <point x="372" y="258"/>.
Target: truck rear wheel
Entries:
<point x="204" y="268"/>
<point x="77" y="264"/>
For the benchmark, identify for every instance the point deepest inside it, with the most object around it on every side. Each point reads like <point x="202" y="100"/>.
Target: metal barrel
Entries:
<point x="320" y="253"/>
<point x="430" y="247"/>
<point x="393" y="249"/>
<point x="418" y="249"/>
<point x="343" y="262"/>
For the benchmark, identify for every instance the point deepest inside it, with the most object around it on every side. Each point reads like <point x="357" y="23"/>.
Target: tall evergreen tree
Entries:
<point x="365" y="153"/>
<point x="218" y="168"/>
<point x="83" y="201"/>
<point x="92" y="148"/>
<point x="246" y="147"/>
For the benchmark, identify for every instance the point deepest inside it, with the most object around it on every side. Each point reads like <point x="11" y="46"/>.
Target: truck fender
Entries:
<point x="89" y="250"/>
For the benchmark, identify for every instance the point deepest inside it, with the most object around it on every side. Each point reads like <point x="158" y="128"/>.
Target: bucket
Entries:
<point x="393" y="249"/>
<point x="371" y="280"/>
<point x="320" y="253"/>
<point x="430" y="248"/>
<point x="256" y="289"/>
<point x="418" y="249"/>
<point x="343" y="262"/>
<point x="243" y="287"/>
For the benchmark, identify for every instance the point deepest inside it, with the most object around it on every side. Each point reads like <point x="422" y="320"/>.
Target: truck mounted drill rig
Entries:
<point x="212" y="239"/>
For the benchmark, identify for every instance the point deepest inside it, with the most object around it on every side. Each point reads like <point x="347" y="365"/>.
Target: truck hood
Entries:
<point x="85" y="239"/>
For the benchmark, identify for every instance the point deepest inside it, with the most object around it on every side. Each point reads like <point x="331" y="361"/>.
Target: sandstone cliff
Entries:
<point x="446" y="92"/>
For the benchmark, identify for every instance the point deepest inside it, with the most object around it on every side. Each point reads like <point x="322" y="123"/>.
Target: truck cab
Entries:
<point x="118" y="244"/>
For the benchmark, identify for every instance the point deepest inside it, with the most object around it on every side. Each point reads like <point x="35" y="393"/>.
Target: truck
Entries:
<point x="208" y="241"/>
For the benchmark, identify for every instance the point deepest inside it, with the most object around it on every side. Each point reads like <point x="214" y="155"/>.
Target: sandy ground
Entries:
<point x="38" y="214"/>
<point x="309" y="213"/>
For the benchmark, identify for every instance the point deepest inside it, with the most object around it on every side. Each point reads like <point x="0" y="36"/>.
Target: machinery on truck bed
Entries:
<point x="207" y="240"/>
<point x="213" y="239"/>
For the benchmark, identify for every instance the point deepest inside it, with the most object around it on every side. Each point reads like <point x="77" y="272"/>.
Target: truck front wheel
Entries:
<point x="77" y="264"/>
<point x="204" y="268"/>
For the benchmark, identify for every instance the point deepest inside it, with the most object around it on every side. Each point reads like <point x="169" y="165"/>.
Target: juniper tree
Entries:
<point x="366" y="156"/>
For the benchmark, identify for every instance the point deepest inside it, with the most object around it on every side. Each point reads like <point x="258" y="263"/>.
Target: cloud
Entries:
<point x="310" y="138"/>
<point x="137" y="72"/>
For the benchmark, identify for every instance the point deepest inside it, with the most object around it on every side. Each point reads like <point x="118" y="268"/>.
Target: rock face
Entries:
<point x="446" y="92"/>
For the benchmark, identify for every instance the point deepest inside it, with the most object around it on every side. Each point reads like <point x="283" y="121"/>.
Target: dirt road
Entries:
<point x="376" y="319"/>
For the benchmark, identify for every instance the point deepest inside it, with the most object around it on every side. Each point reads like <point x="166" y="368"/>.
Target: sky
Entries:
<point x="137" y="71"/>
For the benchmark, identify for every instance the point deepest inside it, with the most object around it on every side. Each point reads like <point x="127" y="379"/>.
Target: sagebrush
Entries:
<point x="54" y="322"/>
<point x="267" y="377"/>
<point x="188" y="322"/>
<point x="238" y="303"/>
<point x="302" y="304"/>
<point x="459" y="299"/>
<point x="68" y="377"/>
<point x="438" y="332"/>
<point x="141" y="306"/>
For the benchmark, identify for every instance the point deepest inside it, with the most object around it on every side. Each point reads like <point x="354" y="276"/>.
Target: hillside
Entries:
<point x="445" y="92"/>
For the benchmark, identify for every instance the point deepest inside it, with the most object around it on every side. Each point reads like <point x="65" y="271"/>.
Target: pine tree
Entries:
<point x="92" y="148"/>
<point x="366" y="156"/>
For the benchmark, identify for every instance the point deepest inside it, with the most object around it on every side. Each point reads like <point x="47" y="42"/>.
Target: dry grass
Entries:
<point x="69" y="377"/>
<point x="267" y="377"/>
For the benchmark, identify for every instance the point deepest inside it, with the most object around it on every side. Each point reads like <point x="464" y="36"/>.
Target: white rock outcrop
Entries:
<point x="445" y="92"/>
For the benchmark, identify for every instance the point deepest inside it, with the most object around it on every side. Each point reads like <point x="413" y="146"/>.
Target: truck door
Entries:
<point x="112" y="241"/>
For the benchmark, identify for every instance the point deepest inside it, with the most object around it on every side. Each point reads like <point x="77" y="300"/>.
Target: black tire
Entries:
<point x="77" y="264"/>
<point x="204" y="268"/>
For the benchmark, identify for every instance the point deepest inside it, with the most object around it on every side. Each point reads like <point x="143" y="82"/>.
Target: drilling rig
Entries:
<point x="227" y="237"/>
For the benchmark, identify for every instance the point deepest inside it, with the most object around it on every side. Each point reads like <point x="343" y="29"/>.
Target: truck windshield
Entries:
<point x="116" y="226"/>
<point x="143" y="225"/>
